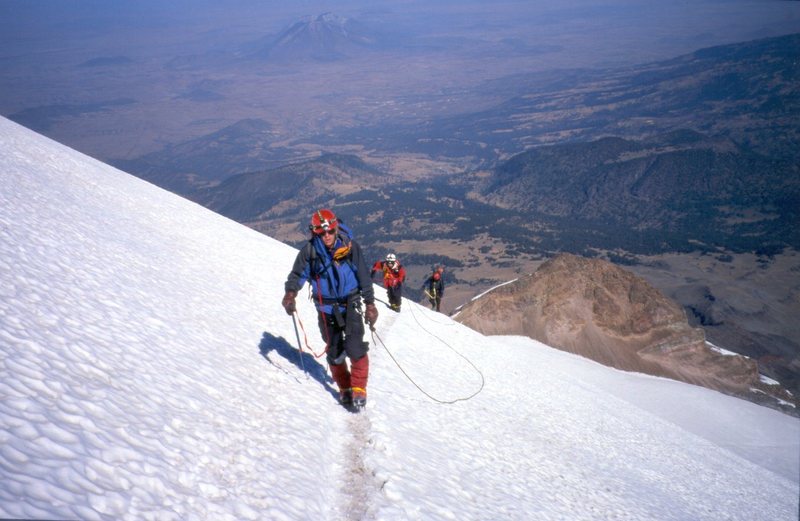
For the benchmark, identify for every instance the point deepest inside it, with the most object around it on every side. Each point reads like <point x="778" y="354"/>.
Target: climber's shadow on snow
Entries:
<point x="302" y="360"/>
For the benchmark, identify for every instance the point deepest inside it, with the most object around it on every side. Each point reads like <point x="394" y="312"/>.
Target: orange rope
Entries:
<point x="305" y="339"/>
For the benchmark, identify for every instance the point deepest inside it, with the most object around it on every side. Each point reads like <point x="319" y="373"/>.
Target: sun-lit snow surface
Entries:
<point x="133" y="386"/>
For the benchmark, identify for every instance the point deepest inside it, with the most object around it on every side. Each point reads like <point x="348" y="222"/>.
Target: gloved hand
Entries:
<point x="371" y="315"/>
<point x="288" y="302"/>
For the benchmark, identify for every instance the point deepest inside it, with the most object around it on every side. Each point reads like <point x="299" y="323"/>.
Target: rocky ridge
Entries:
<point x="598" y="310"/>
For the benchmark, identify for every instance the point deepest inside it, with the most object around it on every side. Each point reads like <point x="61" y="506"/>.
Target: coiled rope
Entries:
<point x="437" y="400"/>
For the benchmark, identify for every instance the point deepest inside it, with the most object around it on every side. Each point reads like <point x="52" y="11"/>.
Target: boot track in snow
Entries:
<point x="360" y="486"/>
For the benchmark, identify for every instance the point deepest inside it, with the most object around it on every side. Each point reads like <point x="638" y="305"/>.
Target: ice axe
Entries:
<point x="299" y="345"/>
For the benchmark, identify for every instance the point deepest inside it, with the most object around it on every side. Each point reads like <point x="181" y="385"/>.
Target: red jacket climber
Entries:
<point x="393" y="277"/>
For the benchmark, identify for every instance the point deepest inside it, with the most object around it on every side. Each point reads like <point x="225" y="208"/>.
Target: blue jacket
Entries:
<point x="334" y="280"/>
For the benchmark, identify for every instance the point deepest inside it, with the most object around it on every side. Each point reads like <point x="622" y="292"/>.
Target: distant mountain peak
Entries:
<point x="329" y="19"/>
<point x="324" y="37"/>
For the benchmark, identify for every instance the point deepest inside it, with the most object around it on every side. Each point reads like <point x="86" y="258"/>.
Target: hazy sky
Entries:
<point x="179" y="56"/>
<point x="649" y="30"/>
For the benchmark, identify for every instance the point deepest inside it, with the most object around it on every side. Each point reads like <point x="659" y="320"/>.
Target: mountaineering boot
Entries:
<point x="359" y="375"/>
<point x="359" y="398"/>
<point x="346" y="397"/>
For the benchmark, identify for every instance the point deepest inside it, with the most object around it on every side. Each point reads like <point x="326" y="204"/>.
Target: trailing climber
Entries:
<point x="434" y="287"/>
<point x="393" y="277"/>
<point x="334" y="265"/>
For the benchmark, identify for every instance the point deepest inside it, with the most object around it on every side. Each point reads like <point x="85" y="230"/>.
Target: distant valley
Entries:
<point x="747" y="94"/>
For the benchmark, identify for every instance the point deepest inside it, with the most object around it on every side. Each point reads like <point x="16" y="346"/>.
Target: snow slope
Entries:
<point x="148" y="372"/>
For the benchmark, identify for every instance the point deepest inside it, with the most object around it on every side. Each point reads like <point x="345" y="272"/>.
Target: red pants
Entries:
<point x="356" y="376"/>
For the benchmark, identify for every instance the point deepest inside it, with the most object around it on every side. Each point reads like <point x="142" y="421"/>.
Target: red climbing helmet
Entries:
<point x="323" y="220"/>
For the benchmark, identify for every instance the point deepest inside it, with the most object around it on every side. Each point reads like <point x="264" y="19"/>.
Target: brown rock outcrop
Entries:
<point x="598" y="310"/>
